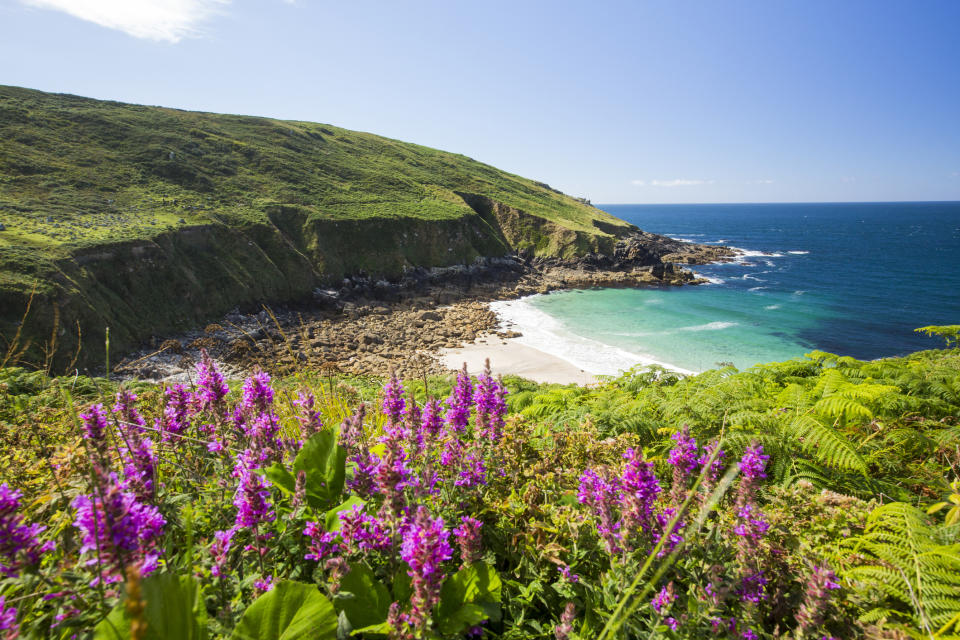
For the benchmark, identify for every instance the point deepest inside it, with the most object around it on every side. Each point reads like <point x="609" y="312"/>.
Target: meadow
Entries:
<point x="812" y="498"/>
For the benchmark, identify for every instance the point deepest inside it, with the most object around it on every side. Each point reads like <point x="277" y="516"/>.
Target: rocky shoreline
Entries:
<point x="369" y="327"/>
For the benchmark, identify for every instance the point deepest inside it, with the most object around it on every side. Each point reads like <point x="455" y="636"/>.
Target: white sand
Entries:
<point x="509" y="356"/>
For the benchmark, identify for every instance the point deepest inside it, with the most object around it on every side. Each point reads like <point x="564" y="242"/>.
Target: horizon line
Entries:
<point x="663" y="204"/>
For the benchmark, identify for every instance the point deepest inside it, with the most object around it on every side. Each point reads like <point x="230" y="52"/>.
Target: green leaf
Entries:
<point x="290" y="611"/>
<point x="402" y="589"/>
<point x="280" y="477"/>
<point x="468" y="615"/>
<point x="324" y="462"/>
<point x="174" y="609"/>
<point x="382" y="629"/>
<point x="364" y="599"/>
<point x="332" y="521"/>
<point x="469" y="597"/>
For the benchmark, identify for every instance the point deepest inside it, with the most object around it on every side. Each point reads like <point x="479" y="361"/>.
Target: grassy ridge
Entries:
<point x="106" y="171"/>
<point x="110" y="209"/>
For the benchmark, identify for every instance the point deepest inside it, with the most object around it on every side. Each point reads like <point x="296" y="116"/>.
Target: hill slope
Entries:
<point x="148" y="220"/>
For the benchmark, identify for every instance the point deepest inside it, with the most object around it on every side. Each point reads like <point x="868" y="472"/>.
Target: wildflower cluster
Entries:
<point x="400" y="514"/>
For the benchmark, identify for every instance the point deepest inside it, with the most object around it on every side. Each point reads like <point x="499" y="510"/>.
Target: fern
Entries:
<point x="918" y="577"/>
<point x="826" y="444"/>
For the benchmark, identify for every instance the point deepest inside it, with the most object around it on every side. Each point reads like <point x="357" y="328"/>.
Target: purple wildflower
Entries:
<point x="563" y="630"/>
<point x="363" y="532"/>
<point x="748" y="634"/>
<point x="309" y="418"/>
<point x="19" y="546"/>
<point x="363" y="482"/>
<point x="473" y="471"/>
<point x="459" y="403"/>
<point x="264" y="584"/>
<point x="602" y="494"/>
<point x="8" y="620"/>
<point x="468" y="537"/>
<point x="753" y="462"/>
<point x="252" y="497"/>
<point x="716" y="467"/>
<point x="137" y="450"/>
<point x="672" y="623"/>
<point x="491" y="406"/>
<point x="393" y="402"/>
<point x="412" y="420"/>
<point x="685" y="461"/>
<point x="425" y="548"/>
<point x="712" y="475"/>
<point x="393" y="475"/>
<point x="220" y="550"/>
<point x="126" y="408"/>
<point x="752" y="587"/>
<point x="431" y="422"/>
<point x="176" y="413"/>
<point x="663" y="599"/>
<point x="816" y="600"/>
<point x="119" y="528"/>
<point x="569" y="575"/>
<point x="95" y="431"/>
<point x="263" y="435"/>
<point x="211" y="387"/>
<point x="351" y="431"/>
<point x="640" y="490"/>
<point x="452" y="451"/>
<point x="752" y="523"/>
<point x="673" y="537"/>
<point x="257" y="393"/>
<point x="684" y="454"/>
<point x="322" y="543"/>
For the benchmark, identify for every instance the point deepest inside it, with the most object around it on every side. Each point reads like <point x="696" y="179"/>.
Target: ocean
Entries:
<point x="848" y="278"/>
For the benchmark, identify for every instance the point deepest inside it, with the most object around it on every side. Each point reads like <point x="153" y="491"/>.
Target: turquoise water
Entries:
<point x="854" y="279"/>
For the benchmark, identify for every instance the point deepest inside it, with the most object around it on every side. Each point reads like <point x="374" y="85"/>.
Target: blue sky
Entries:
<point x="672" y="101"/>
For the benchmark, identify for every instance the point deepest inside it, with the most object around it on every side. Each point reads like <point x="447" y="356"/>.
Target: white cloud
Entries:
<point x="161" y="20"/>
<point x="759" y="181"/>
<point x="638" y="183"/>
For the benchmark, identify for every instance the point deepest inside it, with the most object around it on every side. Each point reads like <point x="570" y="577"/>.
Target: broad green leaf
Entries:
<point x="468" y="597"/>
<point x="290" y="611"/>
<point x="364" y="599"/>
<point x="324" y="462"/>
<point x="332" y="521"/>
<point x="280" y="477"/>
<point x="174" y="609"/>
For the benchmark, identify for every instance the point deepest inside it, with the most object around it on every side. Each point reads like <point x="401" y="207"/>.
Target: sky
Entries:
<point x="621" y="102"/>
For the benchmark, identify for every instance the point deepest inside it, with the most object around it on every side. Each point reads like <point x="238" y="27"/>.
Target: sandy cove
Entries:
<point x="372" y="327"/>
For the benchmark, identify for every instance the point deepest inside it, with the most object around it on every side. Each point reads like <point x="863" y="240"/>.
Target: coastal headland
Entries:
<point x="152" y="222"/>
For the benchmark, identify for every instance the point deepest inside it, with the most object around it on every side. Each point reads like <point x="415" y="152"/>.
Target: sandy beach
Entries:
<point x="509" y="356"/>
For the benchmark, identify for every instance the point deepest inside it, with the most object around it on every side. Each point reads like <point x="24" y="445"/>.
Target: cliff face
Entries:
<point x="150" y="220"/>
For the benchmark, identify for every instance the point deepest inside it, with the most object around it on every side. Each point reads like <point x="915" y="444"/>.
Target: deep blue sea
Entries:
<point x="850" y="278"/>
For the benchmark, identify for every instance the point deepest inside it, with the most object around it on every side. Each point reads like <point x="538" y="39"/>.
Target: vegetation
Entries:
<point x="787" y="500"/>
<point x="109" y="208"/>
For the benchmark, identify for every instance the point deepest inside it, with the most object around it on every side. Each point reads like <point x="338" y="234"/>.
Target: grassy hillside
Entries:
<point x="109" y="209"/>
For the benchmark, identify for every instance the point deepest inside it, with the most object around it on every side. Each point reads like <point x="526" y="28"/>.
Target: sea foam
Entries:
<point x="544" y="333"/>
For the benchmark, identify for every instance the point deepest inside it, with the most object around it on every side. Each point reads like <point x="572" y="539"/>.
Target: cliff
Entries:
<point x="150" y="220"/>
